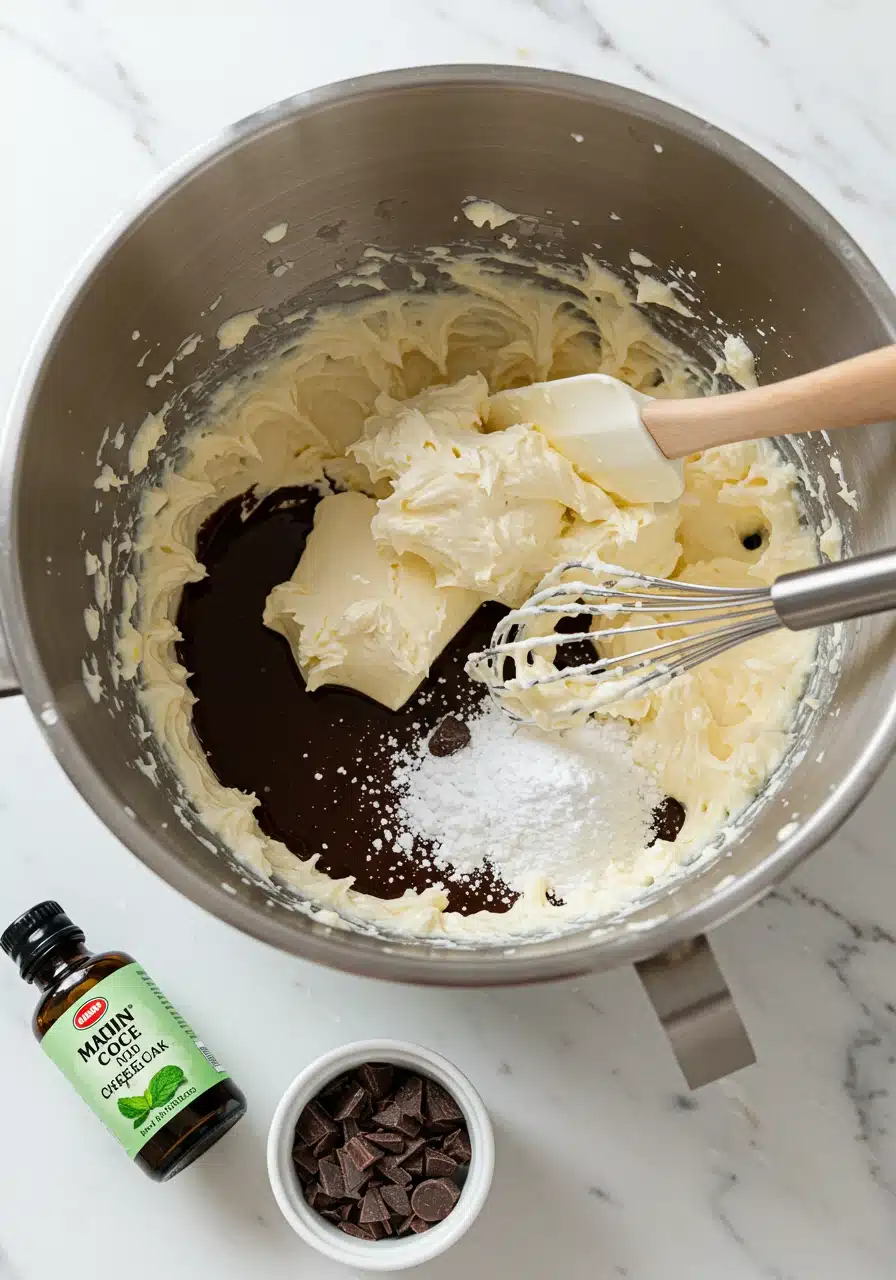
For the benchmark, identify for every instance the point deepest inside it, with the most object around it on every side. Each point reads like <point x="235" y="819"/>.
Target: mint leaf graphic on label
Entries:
<point x="140" y="1120"/>
<point x="131" y="1108"/>
<point x="164" y="1085"/>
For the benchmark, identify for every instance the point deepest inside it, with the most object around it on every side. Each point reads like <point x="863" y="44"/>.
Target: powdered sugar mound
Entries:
<point x="526" y="804"/>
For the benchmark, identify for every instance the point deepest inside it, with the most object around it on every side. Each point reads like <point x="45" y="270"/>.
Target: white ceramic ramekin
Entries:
<point x="379" y="1255"/>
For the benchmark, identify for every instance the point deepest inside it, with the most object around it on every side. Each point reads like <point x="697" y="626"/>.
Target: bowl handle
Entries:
<point x="695" y="1006"/>
<point x="8" y="680"/>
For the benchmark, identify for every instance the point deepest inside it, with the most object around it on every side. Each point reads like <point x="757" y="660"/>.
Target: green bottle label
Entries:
<point x="131" y="1056"/>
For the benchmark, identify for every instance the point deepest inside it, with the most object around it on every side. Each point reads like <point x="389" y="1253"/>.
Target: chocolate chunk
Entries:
<point x="397" y="1200"/>
<point x="329" y="1142"/>
<point x="457" y="1145"/>
<point x="317" y="1198"/>
<point x="352" y="1105"/>
<point x="449" y="735"/>
<point x="438" y="1165"/>
<point x="376" y="1077"/>
<point x="331" y="1179"/>
<point x="314" y="1124"/>
<point x="410" y="1097"/>
<point x="360" y="1233"/>
<point x="332" y="1094"/>
<point x="434" y="1199"/>
<point x="395" y="1172"/>
<point x="389" y="1118"/>
<point x="305" y="1161"/>
<point x="393" y="1142"/>
<point x="362" y="1152"/>
<point x="414" y="1146"/>
<point x="409" y="1126"/>
<point x="353" y="1176"/>
<point x="440" y="1106"/>
<point x="373" y="1208"/>
<point x="667" y="820"/>
<point x="390" y="1168"/>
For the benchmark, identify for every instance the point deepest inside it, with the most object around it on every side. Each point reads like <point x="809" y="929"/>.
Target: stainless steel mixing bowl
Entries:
<point x="387" y="160"/>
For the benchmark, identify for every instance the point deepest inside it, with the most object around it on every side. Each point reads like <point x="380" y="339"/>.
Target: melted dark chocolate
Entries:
<point x="264" y="733"/>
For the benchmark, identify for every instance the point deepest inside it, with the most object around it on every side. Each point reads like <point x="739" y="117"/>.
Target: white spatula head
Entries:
<point x="595" y="421"/>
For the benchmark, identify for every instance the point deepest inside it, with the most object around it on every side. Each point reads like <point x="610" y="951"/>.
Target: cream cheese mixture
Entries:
<point x="383" y="406"/>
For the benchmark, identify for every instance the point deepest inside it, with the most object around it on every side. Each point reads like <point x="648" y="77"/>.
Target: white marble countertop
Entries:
<point x="787" y="1171"/>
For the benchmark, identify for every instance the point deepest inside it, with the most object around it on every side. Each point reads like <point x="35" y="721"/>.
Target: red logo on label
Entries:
<point x="90" y="1012"/>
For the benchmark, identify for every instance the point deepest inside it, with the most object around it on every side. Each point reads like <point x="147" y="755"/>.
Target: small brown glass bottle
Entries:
<point x="134" y="1060"/>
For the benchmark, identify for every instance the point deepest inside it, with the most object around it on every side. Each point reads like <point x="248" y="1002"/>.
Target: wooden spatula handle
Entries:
<point x="853" y="393"/>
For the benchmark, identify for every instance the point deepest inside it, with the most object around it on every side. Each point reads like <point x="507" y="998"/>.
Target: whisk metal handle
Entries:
<point x="837" y="592"/>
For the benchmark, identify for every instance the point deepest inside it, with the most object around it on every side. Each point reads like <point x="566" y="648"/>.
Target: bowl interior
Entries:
<point x="388" y="162"/>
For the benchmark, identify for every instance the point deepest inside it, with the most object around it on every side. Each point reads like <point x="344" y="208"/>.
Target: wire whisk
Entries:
<point x="539" y="670"/>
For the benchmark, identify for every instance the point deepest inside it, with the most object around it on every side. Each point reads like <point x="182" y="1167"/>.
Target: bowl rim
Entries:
<point x="416" y="959"/>
<point x="380" y="1255"/>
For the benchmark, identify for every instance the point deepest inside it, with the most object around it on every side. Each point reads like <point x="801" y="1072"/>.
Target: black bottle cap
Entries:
<point x="35" y="933"/>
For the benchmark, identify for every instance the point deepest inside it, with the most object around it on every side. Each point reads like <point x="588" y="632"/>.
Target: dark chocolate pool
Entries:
<point x="309" y="757"/>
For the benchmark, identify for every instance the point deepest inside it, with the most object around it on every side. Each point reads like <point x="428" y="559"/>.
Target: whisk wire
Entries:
<point x="710" y="621"/>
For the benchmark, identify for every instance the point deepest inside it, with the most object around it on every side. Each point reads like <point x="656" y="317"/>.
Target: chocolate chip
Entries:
<point x="360" y="1233"/>
<point x="389" y="1118"/>
<point x="329" y="1142"/>
<point x="362" y="1152"/>
<point x="440" y="1106"/>
<point x="376" y="1077"/>
<point x="317" y="1198"/>
<point x="353" y="1104"/>
<point x="410" y="1097"/>
<point x="373" y="1208"/>
<point x="305" y="1161"/>
<point x="449" y="735"/>
<point x="393" y="1142"/>
<point x="314" y="1124"/>
<point x="411" y="1150"/>
<point x="439" y="1165"/>
<point x="434" y="1199"/>
<point x="353" y="1175"/>
<point x="397" y="1200"/>
<point x="409" y="1126"/>
<point x="331" y="1179"/>
<point x="390" y="1168"/>
<point x="667" y="819"/>
<point x="457" y="1145"/>
<point x="395" y="1171"/>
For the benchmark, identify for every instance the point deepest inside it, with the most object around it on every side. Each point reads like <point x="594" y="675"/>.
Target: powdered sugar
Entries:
<point x="524" y="804"/>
